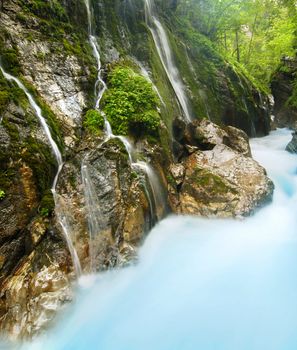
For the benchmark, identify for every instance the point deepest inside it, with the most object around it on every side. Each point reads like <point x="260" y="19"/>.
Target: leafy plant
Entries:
<point x="131" y="104"/>
<point x="93" y="121"/>
<point x="44" y="212"/>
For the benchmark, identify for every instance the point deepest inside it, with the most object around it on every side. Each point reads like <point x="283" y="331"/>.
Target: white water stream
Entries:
<point x="60" y="207"/>
<point x="92" y="203"/>
<point x="164" y="51"/>
<point x="200" y="284"/>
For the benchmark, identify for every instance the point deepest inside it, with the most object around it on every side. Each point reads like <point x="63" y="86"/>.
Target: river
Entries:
<point x="200" y="283"/>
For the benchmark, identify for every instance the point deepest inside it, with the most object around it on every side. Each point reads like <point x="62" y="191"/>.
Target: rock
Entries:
<point x="224" y="183"/>
<point x="178" y="173"/>
<point x="292" y="145"/>
<point x="282" y="87"/>
<point x="237" y="140"/>
<point x="204" y="134"/>
<point x="35" y="292"/>
<point x="122" y="209"/>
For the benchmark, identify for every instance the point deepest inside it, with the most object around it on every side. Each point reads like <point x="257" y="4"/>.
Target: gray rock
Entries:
<point x="292" y="145"/>
<point x="224" y="183"/>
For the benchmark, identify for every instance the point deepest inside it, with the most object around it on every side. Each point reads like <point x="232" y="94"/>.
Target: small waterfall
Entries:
<point x="145" y="73"/>
<point x="60" y="208"/>
<point x="158" y="197"/>
<point x="93" y="212"/>
<point x="163" y="48"/>
<point x="65" y="219"/>
<point x="42" y="121"/>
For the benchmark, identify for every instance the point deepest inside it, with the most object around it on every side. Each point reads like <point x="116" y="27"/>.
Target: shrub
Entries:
<point x="131" y="104"/>
<point x="93" y="121"/>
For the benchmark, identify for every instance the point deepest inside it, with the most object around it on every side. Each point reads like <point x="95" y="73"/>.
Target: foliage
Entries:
<point x="2" y="194"/>
<point x="44" y="212"/>
<point x="254" y="32"/>
<point x="93" y="121"/>
<point x="131" y="103"/>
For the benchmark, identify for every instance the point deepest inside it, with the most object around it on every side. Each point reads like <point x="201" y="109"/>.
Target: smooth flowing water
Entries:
<point x="200" y="284"/>
<point x="93" y="210"/>
<point x="164" y="51"/>
<point x="63" y="216"/>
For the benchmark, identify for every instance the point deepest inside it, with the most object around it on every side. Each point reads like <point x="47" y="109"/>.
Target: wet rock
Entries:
<point x="178" y="173"/>
<point x="204" y="134"/>
<point x="292" y="145"/>
<point x="282" y="87"/>
<point x="40" y="287"/>
<point x="123" y="210"/>
<point x="224" y="183"/>
<point x="237" y="140"/>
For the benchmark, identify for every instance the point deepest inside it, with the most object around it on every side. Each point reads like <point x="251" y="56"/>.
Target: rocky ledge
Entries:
<point x="219" y="177"/>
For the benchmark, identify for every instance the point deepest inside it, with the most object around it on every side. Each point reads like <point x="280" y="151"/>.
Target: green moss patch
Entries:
<point x="131" y="104"/>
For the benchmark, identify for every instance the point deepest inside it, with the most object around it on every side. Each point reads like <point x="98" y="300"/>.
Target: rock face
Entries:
<point x="38" y="288"/>
<point x="282" y="87"/>
<point x="220" y="177"/>
<point x="58" y="75"/>
<point x="45" y="44"/>
<point x="292" y="145"/>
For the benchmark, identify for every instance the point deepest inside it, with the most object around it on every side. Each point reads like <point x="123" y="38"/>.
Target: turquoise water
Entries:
<point x="200" y="284"/>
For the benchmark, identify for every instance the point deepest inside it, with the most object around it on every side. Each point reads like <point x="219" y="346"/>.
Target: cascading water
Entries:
<point x="163" y="48"/>
<point x="92" y="202"/>
<point x="95" y="221"/>
<point x="201" y="283"/>
<point x="60" y="208"/>
<point x="156" y="188"/>
<point x="42" y="121"/>
<point x="145" y="73"/>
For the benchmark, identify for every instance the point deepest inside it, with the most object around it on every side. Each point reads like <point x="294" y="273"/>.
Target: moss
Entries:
<point x="4" y="99"/>
<point x="214" y="184"/>
<point x="10" y="60"/>
<point x="94" y="121"/>
<point x="47" y="204"/>
<point x="131" y="104"/>
<point x="12" y="130"/>
<point x="2" y="194"/>
<point x="40" y="159"/>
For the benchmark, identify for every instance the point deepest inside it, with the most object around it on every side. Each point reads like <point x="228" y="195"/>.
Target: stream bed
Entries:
<point x="200" y="283"/>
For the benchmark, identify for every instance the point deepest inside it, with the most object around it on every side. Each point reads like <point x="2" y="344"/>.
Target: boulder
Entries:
<point x="223" y="182"/>
<point x="292" y="145"/>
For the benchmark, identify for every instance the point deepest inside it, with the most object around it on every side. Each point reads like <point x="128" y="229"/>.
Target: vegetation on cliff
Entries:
<point x="130" y="103"/>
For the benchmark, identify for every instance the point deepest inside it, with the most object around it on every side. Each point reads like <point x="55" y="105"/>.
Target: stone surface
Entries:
<point x="224" y="183"/>
<point x="292" y="145"/>
<point x="282" y="84"/>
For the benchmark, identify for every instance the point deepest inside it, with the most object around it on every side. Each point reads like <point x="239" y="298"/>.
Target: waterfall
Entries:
<point x="206" y="283"/>
<point x="158" y="196"/>
<point x="145" y="73"/>
<point x="38" y="113"/>
<point x="163" y="48"/>
<point x="93" y="211"/>
<point x="92" y="203"/>
<point x="60" y="208"/>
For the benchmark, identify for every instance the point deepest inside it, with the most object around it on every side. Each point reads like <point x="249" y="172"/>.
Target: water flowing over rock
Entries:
<point x="73" y="201"/>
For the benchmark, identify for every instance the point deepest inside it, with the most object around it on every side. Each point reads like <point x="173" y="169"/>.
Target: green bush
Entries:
<point x="131" y="104"/>
<point x="93" y="121"/>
